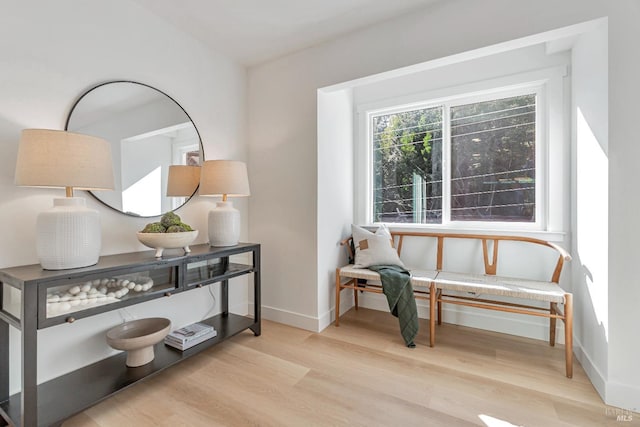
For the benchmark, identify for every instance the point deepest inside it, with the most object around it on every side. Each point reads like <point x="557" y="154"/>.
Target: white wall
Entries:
<point x="590" y="202"/>
<point x="335" y="150"/>
<point x="50" y="53"/>
<point x="623" y="385"/>
<point x="284" y="146"/>
<point x="501" y="64"/>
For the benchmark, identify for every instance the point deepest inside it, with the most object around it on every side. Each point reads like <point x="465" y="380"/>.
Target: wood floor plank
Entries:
<point x="373" y="406"/>
<point x="361" y="374"/>
<point x="261" y="363"/>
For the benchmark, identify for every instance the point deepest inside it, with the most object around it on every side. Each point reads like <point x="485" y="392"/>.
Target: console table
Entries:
<point x="52" y="402"/>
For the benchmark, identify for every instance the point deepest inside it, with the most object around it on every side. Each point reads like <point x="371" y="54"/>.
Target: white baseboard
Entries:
<point x="593" y="372"/>
<point x="623" y="396"/>
<point x="291" y="318"/>
<point x="241" y="309"/>
<point x="612" y="393"/>
<point x="303" y="321"/>
<point x="325" y="320"/>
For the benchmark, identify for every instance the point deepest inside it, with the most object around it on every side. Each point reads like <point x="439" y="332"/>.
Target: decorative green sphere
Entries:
<point x="176" y="229"/>
<point x="154" y="227"/>
<point x="169" y="219"/>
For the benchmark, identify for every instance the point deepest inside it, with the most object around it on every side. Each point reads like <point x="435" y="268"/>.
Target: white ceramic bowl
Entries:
<point x="162" y="241"/>
<point x="138" y="337"/>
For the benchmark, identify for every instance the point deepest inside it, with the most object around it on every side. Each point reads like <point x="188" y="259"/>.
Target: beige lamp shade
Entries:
<point x="55" y="158"/>
<point x="183" y="180"/>
<point x="69" y="234"/>
<point x="224" y="178"/>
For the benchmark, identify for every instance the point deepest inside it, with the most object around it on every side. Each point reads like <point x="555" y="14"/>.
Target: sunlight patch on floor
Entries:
<point x="494" y="422"/>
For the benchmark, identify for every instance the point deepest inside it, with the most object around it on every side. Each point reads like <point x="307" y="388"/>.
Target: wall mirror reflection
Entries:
<point x="149" y="132"/>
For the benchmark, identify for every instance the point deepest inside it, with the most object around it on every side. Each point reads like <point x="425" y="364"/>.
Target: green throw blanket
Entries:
<point x="396" y="285"/>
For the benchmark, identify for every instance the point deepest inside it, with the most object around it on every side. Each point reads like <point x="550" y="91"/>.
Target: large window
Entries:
<point x="465" y="160"/>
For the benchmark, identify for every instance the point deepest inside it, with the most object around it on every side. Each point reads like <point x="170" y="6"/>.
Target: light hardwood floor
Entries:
<point x="361" y="374"/>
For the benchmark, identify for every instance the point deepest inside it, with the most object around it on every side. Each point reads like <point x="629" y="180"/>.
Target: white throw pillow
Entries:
<point x="374" y="248"/>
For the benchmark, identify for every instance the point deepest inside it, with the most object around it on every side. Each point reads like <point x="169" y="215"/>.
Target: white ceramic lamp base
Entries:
<point x="68" y="235"/>
<point x="224" y="225"/>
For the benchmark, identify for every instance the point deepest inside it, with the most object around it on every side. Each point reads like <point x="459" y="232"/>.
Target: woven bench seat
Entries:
<point x="498" y="285"/>
<point x="365" y="280"/>
<point x="419" y="278"/>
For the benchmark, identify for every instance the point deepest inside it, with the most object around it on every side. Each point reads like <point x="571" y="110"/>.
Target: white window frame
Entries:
<point x="552" y="162"/>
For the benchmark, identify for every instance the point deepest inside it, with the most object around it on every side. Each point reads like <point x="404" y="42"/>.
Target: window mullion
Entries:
<point x="446" y="164"/>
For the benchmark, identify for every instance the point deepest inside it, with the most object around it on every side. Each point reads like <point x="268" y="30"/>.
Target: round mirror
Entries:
<point x="148" y="132"/>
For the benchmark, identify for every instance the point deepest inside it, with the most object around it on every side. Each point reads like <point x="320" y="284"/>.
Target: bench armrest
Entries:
<point x="347" y="244"/>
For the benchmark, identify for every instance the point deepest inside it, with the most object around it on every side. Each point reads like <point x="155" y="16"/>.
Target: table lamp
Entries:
<point x="67" y="235"/>
<point x="183" y="180"/>
<point x="226" y="178"/>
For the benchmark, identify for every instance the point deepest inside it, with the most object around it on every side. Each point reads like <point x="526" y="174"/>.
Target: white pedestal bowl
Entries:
<point x="138" y="337"/>
<point x="162" y="241"/>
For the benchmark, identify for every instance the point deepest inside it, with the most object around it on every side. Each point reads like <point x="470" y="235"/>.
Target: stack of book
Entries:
<point x="190" y="335"/>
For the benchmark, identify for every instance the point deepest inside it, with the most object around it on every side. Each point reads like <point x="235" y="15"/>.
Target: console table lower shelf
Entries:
<point x="70" y="394"/>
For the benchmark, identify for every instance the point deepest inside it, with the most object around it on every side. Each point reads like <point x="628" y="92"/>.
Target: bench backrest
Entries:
<point x="490" y="245"/>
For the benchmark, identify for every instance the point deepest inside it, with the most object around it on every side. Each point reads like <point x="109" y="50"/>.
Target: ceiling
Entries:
<point x="255" y="31"/>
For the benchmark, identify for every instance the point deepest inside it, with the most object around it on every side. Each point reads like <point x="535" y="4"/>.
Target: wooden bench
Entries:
<point x="461" y="288"/>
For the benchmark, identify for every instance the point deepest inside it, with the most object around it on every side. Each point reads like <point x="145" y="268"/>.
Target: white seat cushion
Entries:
<point x="498" y="285"/>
